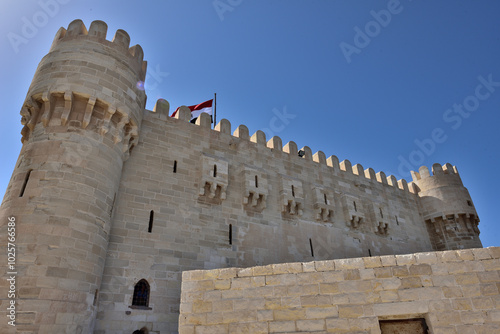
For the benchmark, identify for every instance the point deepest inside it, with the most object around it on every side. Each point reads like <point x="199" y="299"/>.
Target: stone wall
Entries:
<point x="453" y="291"/>
<point x="106" y="194"/>
<point x="170" y="173"/>
<point x="80" y="119"/>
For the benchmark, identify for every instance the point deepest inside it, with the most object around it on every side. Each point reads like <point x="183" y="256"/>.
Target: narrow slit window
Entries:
<point x="95" y="297"/>
<point x="112" y="206"/>
<point x="256" y="181"/>
<point x="151" y="218"/>
<point x="326" y="200"/>
<point x="175" y="166"/>
<point x="215" y="170"/>
<point x="25" y="183"/>
<point x="355" y="208"/>
<point x="311" y="245"/>
<point x="381" y="214"/>
<point x="369" y="252"/>
<point x="141" y="294"/>
<point x="397" y="221"/>
<point x="230" y="234"/>
<point x="293" y="191"/>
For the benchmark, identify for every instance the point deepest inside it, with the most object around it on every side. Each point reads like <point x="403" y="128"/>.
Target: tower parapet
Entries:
<point x="216" y="198"/>
<point x="447" y="208"/>
<point x="86" y="81"/>
<point x="275" y="144"/>
<point x="81" y="119"/>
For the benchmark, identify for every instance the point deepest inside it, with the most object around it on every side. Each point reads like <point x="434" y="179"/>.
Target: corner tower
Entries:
<point x="447" y="208"/>
<point x="81" y="119"/>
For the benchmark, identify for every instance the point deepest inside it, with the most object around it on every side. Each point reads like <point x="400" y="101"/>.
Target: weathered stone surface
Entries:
<point x="406" y="289"/>
<point x="107" y="194"/>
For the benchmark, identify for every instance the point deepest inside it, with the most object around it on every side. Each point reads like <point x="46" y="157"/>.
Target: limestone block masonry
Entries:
<point x="113" y="202"/>
<point x="452" y="292"/>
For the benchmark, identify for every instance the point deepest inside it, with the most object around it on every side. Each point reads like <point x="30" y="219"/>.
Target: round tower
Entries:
<point x="81" y="120"/>
<point x="447" y="208"/>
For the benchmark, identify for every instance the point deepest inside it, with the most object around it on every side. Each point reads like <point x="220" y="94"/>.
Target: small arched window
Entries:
<point x="141" y="294"/>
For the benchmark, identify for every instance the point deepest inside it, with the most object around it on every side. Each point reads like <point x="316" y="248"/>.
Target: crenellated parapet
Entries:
<point x="317" y="159"/>
<point x="87" y="82"/>
<point x="447" y="206"/>
<point x="441" y="195"/>
<point x="77" y="31"/>
<point x="92" y="224"/>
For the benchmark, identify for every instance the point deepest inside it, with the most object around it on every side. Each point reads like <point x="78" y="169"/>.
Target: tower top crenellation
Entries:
<point x="107" y="196"/>
<point x="437" y="170"/>
<point x="98" y="32"/>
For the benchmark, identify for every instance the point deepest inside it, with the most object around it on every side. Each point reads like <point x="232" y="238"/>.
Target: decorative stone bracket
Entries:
<point x="292" y="197"/>
<point x="323" y="204"/>
<point x="381" y="219"/>
<point x="471" y="222"/>
<point x="353" y="210"/>
<point x="255" y="188"/>
<point x="452" y="223"/>
<point x="214" y="177"/>
<point x="42" y="108"/>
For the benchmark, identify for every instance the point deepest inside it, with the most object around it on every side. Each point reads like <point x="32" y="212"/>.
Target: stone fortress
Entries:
<point x="114" y="202"/>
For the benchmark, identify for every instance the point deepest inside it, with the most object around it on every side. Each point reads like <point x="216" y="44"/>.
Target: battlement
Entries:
<point x="437" y="170"/>
<point x="275" y="144"/>
<point x="87" y="82"/>
<point x="447" y="207"/>
<point x="97" y="32"/>
<point x="113" y="231"/>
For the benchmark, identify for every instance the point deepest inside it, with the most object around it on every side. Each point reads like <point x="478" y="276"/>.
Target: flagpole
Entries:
<point x="215" y="109"/>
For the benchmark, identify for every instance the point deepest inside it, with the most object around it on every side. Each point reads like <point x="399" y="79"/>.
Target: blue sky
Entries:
<point x="391" y="85"/>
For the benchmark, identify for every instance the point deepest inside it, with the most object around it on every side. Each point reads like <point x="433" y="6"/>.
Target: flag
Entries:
<point x="196" y="110"/>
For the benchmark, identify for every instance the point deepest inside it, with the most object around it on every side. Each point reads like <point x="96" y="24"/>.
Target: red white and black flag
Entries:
<point x="196" y="110"/>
